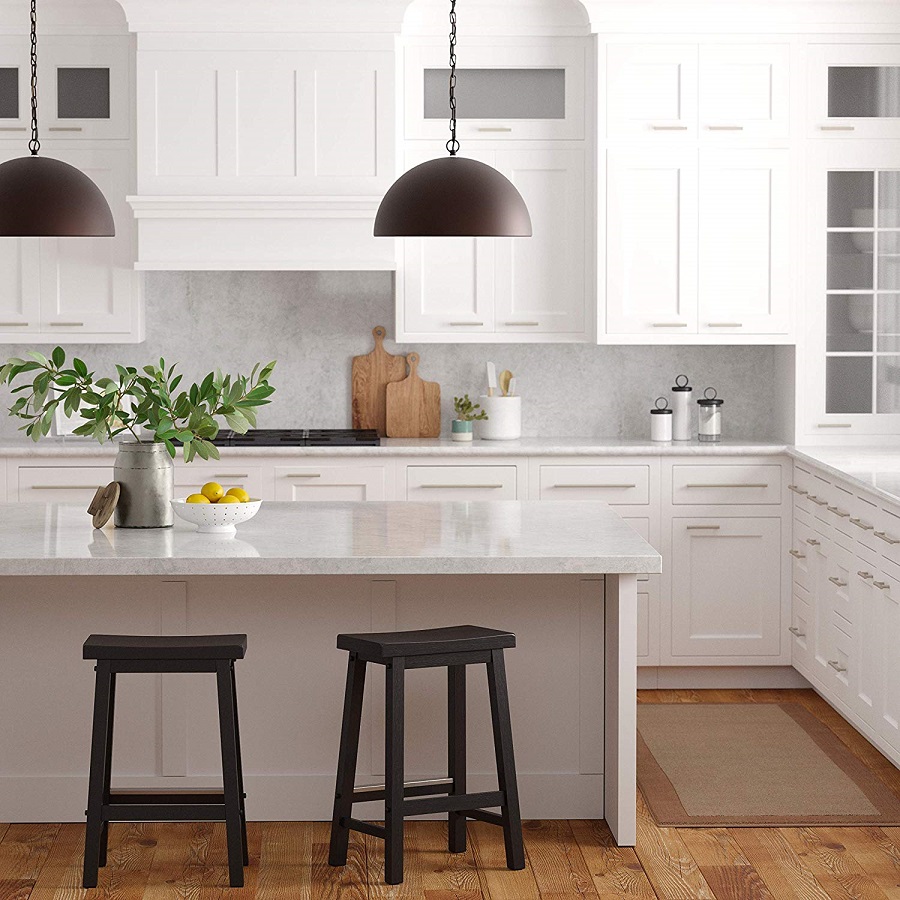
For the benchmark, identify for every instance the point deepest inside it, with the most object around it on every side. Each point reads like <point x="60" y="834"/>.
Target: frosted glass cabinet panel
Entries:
<point x="15" y="87"/>
<point x="9" y="93"/>
<point x="855" y="90"/>
<point x="497" y="93"/>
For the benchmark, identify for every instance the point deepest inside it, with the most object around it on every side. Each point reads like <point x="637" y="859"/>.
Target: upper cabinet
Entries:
<point x="854" y="91"/>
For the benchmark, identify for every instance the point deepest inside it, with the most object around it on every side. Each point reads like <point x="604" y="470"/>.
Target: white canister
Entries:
<point x="682" y="410"/>
<point x="709" y="408"/>
<point x="504" y="418"/>
<point x="661" y="421"/>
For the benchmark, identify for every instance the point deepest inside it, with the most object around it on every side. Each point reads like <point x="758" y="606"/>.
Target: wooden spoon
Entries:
<point x="504" y="380"/>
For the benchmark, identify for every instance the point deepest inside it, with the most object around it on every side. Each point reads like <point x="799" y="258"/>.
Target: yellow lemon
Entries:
<point x="213" y="491"/>
<point x="197" y="498"/>
<point x="229" y="498"/>
<point x="240" y="493"/>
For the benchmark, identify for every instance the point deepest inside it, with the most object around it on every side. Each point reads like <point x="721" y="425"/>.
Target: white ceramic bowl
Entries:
<point x="216" y="518"/>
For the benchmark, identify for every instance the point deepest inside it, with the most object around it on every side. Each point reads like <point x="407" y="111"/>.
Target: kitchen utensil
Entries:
<point x="103" y="504"/>
<point x="661" y="421"/>
<point x="369" y="378"/>
<point x="709" y="408"/>
<point x="492" y="379"/>
<point x="512" y="386"/>
<point x="504" y="380"/>
<point x="504" y="421"/>
<point x="413" y="405"/>
<point x="681" y="409"/>
<point x="215" y="518"/>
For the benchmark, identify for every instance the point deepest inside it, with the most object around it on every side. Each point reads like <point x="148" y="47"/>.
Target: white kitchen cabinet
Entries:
<point x="15" y="88"/>
<point x="726" y="590"/>
<point x="58" y="483"/>
<point x="888" y="650"/>
<point x="469" y="482"/>
<point x="330" y="480"/>
<point x="505" y="289"/>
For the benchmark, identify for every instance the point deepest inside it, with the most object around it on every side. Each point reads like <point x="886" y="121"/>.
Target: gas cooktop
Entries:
<point x="299" y="437"/>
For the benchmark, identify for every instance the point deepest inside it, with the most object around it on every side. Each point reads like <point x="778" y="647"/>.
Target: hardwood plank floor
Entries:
<point x="565" y="860"/>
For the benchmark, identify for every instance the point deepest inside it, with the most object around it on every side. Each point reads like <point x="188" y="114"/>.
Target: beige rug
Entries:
<point x="748" y="764"/>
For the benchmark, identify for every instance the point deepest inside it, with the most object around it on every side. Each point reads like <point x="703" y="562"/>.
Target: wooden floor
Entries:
<point x="565" y="859"/>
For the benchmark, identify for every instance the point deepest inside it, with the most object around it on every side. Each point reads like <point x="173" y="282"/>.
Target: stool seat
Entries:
<point x="379" y="646"/>
<point x="190" y="646"/>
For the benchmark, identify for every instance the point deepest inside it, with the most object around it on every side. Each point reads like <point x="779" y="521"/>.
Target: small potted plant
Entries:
<point x="467" y="412"/>
<point x="148" y="404"/>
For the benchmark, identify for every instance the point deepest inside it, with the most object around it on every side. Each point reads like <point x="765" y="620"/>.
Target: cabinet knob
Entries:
<point x="837" y="581"/>
<point x="836" y="665"/>
<point x="865" y="575"/>
<point x="797" y="554"/>
<point x="796" y="632"/>
<point x="882" y="585"/>
<point x="813" y="542"/>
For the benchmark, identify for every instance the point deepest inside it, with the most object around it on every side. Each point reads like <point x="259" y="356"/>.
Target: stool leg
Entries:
<point x="240" y="770"/>
<point x="456" y="753"/>
<point x="506" y="764"/>
<point x="393" y="770"/>
<point x="96" y="832"/>
<point x="347" y="755"/>
<point x="230" y="781"/>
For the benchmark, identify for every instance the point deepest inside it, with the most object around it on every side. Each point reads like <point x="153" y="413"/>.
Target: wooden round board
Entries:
<point x="104" y="503"/>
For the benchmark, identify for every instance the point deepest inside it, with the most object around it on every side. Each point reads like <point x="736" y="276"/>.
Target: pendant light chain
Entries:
<point x="453" y="143"/>
<point x="34" y="144"/>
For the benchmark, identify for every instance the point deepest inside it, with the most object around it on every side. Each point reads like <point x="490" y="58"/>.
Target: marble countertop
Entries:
<point x="506" y="537"/>
<point x="877" y="469"/>
<point x="71" y="447"/>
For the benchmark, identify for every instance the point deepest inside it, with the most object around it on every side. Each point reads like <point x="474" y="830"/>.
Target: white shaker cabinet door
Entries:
<point x="330" y="482"/>
<point x="651" y="241"/>
<point x="744" y="250"/>
<point x="541" y="283"/>
<point x="651" y="91"/>
<point x="726" y="591"/>
<point x="744" y="92"/>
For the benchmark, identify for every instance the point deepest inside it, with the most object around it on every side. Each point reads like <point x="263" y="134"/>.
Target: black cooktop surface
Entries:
<point x="299" y="437"/>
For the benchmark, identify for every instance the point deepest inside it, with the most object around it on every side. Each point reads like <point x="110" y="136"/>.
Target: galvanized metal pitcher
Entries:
<point x="146" y="477"/>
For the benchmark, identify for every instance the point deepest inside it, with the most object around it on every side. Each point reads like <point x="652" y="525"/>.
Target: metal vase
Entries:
<point x="146" y="477"/>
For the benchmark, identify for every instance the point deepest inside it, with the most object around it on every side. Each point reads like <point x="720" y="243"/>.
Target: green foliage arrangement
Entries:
<point x="148" y="399"/>
<point x="467" y="411"/>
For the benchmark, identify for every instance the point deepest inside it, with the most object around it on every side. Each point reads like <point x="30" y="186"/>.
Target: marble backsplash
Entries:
<point x="314" y="322"/>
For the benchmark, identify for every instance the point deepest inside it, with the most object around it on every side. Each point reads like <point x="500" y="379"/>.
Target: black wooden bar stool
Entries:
<point x="455" y="648"/>
<point x="192" y="653"/>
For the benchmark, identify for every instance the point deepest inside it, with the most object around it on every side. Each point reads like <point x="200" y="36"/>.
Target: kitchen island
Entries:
<point x="562" y="575"/>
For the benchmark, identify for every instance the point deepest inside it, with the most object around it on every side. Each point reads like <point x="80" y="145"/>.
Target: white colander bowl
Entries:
<point x="215" y="518"/>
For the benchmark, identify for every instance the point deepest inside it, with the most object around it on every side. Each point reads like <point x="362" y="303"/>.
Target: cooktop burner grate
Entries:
<point x="299" y="437"/>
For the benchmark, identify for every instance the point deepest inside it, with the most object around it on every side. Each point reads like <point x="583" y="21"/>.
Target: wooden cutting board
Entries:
<point x="369" y="377"/>
<point x="413" y="405"/>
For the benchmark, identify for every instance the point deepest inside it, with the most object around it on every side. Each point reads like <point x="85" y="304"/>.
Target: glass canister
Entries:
<point x="661" y="421"/>
<point x="681" y="409"/>
<point x="709" y="408"/>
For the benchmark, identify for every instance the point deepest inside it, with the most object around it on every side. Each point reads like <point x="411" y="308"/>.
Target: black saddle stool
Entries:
<point x="455" y="648"/>
<point x="192" y="653"/>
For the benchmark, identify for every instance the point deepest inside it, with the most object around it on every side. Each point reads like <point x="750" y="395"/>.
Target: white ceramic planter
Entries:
<point x="504" y="421"/>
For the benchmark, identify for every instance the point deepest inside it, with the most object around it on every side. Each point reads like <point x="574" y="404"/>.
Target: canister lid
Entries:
<point x="661" y="410"/>
<point x="681" y="385"/>
<point x="709" y="398"/>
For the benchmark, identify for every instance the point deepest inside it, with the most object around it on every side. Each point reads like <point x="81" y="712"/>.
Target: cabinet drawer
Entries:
<point x="61" y="484"/>
<point x="189" y="478"/>
<point x="461" y="483"/>
<point x="329" y="483"/>
<point x="700" y="485"/>
<point x="886" y="534"/>
<point x="613" y="484"/>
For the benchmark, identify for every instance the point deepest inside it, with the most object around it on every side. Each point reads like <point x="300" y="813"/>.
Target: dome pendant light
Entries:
<point x="452" y="196"/>
<point x="43" y="197"/>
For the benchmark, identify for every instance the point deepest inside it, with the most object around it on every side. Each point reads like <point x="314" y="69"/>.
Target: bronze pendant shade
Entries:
<point x="44" y="197"/>
<point x="452" y="197"/>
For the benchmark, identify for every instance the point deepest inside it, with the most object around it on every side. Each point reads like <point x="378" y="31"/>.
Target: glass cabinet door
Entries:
<point x="15" y="87"/>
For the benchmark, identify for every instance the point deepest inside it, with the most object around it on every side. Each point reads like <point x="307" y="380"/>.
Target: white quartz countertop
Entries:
<point x="506" y="537"/>
<point x="72" y="447"/>
<point x="877" y="469"/>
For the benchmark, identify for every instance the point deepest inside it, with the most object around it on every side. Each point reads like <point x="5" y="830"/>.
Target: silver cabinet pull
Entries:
<point x="66" y="324"/>
<point x="813" y="542"/>
<point x="725" y="127"/>
<point x="446" y="486"/>
<point x="882" y="585"/>
<point x="13" y="128"/>
<point x="797" y="554"/>
<point x="13" y="324"/>
<point x="724" y="325"/>
<point x="230" y="475"/>
<point x="65" y="128"/>
<point x="797" y="490"/>
<point x="836" y="665"/>
<point x="818" y="500"/>
<point x="837" y="128"/>
<point x="865" y="575"/>
<point x="494" y="128"/>
<point x="703" y="527"/>
<point x="304" y="475"/>
<point x="886" y="538"/>
<point x="465" y="324"/>
<point x="860" y="524"/>
<point x="62" y="487"/>
<point x="668" y="324"/>
<point x="834" y="425"/>
<point x="838" y="512"/>
<point x="669" y="127"/>
<point x="796" y="632"/>
<point x="531" y="324"/>
<point x="723" y="485"/>
<point x="608" y="486"/>
<point x="837" y="581"/>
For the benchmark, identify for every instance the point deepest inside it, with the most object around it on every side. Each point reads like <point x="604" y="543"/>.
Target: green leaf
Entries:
<point x="266" y="370"/>
<point x="260" y="392"/>
<point x="80" y="367"/>
<point x="65" y="380"/>
<point x="39" y="357"/>
<point x="59" y="357"/>
<point x="237" y="422"/>
<point x="170" y="447"/>
<point x="184" y="436"/>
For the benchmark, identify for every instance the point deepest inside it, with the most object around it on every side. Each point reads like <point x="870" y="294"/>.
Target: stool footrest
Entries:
<point x="365" y="827"/>
<point x="453" y="803"/>
<point x="146" y="798"/>
<point x="410" y="789"/>
<point x="164" y="812"/>
<point x="482" y="815"/>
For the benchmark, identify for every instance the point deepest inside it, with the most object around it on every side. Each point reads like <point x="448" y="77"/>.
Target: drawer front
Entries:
<point x="802" y="555"/>
<point x="61" y="484"/>
<point x="865" y="521"/>
<point x="614" y="484"/>
<point x="839" y="571"/>
<point x="801" y="486"/>
<point x="886" y="535"/>
<point x="189" y="478"/>
<point x="801" y="628"/>
<point x="329" y="483"/>
<point x="461" y="483"/>
<point x="715" y="485"/>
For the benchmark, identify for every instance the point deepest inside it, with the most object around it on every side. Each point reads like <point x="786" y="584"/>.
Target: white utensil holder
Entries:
<point x="504" y="421"/>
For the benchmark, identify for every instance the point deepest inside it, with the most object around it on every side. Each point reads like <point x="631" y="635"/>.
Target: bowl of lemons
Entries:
<point x="216" y="510"/>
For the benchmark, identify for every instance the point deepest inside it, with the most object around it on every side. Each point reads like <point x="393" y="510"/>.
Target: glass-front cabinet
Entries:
<point x="855" y="90"/>
<point x="854" y="301"/>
